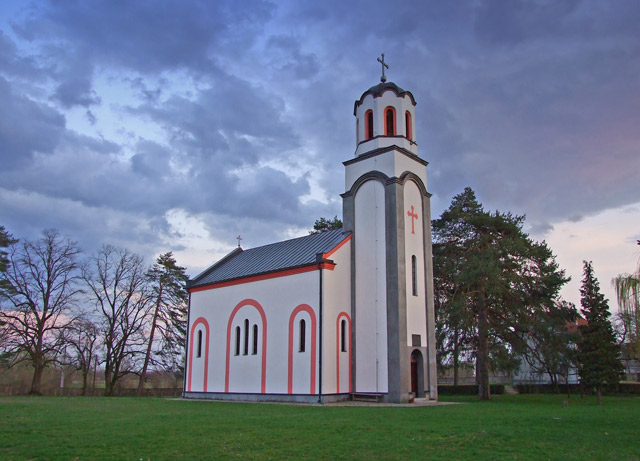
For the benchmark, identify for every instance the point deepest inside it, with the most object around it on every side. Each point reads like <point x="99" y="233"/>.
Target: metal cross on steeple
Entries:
<point x="384" y="64"/>
<point x="239" y="238"/>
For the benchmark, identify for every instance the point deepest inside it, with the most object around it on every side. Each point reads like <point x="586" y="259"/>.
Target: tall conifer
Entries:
<point x="598" y="351"/>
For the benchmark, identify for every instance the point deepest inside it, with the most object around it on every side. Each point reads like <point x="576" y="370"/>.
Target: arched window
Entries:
<point x="254" y="350"/>
<point x="407" y="122"/>
<point x="199" y="350"/>
<point x="246" y="337"/>
<point x="390" y="121"/>
<point x="343" y="335"/>
<point x="303" y="330"/>
<point x="368" y="125"/>
<point x="414" y="276"/>
<point x="237" y="351"/>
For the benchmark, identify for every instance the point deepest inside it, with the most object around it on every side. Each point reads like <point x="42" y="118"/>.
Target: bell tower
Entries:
<point x="387" y="207"/>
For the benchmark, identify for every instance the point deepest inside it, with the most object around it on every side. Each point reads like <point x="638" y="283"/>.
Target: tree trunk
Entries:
<point x="143" y="375"/>
<point x="36" y="382"/>
<point x="85" y="374"/>
<point x="599" y="393"/>
<point x="456" y="359"/>
<point x="108" y="386"/>
<point x="482" y="353"/>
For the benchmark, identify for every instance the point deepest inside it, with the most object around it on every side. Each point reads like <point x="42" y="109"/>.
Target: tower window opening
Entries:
<point x="368" y="125"/>
<point x="407" y="122"/>
<point x="199" y="350"/>
<point x="254" y="350"/>
<point x="414" y="276"/>
<point x="237" y="351"/>
<point x="303" y="330"/>
<point x="246" y="337"/>
<point x="343" y="336"/>
<point x="390" y="121"/>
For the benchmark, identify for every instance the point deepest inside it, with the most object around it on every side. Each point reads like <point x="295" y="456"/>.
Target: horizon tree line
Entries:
<point x="59" y="309"/>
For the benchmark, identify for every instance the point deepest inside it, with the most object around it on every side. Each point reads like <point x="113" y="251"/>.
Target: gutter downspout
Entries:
<point x="319" y="260"/>
<point x="186" y="349"/>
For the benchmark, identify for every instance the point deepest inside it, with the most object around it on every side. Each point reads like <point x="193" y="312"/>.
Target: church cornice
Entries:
<point x="386" y="180"/>
<point x="383" y="150"/>
<point x="379" y="89"/>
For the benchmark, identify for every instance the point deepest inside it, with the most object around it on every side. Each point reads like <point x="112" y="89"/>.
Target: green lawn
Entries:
<point x="509" y="427"/>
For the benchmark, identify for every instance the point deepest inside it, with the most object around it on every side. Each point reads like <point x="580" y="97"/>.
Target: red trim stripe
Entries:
<point x="312" y="386"/>
<point x="203" y="321"/>
<point x="270" y="275"/>
<point x="346" y="316"/>
<point x="263" y="373"/>
<point x="337" y="247"/>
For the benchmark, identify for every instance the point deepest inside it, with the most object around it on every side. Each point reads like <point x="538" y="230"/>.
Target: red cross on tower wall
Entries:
<point x="413" y="217"/>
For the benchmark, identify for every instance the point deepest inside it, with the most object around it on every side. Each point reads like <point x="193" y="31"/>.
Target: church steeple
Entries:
<point x="385" y="117"/>
<point x="386" y="206"/>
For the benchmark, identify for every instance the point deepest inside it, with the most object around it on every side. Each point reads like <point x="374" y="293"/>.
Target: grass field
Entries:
<point x="509" y="427"/>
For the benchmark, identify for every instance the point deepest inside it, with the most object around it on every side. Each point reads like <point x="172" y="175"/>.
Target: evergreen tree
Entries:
<point x="495" y="278"/>
<point x="168" y="282"/>
<point x="324" y="225"/>
<point x="598" y="351"/>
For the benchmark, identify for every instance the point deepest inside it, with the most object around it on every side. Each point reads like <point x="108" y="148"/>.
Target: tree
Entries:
<point x="82" y="336"/>
<point x="496" y="278"/>
<point x="169" y="295"/>
<point x="598" y="350"/>
<point x="6" y="240"/>
<point x="40" y="286"/>
<point x="628" y="294"/>
<point x="118" y="285"/>
<point x="324" y="225"/>
<point x="551" y="343"/>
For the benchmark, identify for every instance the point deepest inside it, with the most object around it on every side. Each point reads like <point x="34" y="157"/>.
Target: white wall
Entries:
<point x="414" y="245"/>
<point x="337" y="300"/>
<point x="370" y="278"/>
<point x="378" y="105"/>
<point x="278" y="298"/>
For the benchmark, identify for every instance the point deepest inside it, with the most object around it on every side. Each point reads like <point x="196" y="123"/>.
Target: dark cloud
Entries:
<point x="233" y="111"/>
<point x="26" y="128"/>
<point x="76" y="92"/>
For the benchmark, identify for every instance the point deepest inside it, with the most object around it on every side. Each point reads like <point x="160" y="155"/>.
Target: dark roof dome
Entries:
<point x="377" y="90"/>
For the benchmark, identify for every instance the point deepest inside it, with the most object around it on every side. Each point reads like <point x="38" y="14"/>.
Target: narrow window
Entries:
<point x="302" y="335"/>
<point x="414" y="276"/>
<point x="246" y="337"/>
<point x="237" y="352"/>
<point x="357" y="131"/>
<point x="199" y="353"/>
<point x="343" y="336"/>
<point x="368" y="125"/>
<point x="407" y="122"/>
<point x="254" y="351"/>
<point x="390" y="121"/>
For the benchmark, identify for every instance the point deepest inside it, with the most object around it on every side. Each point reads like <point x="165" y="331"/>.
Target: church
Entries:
<point x="338" y="315"/>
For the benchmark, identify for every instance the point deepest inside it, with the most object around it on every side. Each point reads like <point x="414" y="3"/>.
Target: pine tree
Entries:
<point x="598" y="351"/>
<point x="494" y="279"/>
<point x="170" y="298"/>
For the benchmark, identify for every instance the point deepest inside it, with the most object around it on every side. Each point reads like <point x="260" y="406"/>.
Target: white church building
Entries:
<point x="335" y="315"/>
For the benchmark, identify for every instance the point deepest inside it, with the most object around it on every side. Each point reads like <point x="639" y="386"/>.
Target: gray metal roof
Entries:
<point x="278" y="256"/>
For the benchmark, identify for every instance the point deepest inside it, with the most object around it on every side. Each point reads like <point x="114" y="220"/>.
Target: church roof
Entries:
<point x="377" y="90"/>
<point x="289" y="254"/>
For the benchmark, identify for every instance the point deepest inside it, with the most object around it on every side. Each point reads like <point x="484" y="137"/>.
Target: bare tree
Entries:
<point x="168" y="283"/>
<point x="118" y="285"/>
<point x="82" y="336"/>
<point x="38" y="291"/>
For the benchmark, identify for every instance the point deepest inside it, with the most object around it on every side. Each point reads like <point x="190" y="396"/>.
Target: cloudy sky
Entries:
<point x="178" y="125"/>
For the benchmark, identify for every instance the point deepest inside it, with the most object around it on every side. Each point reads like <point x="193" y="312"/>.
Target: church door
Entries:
<point x="414" y="373"/>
